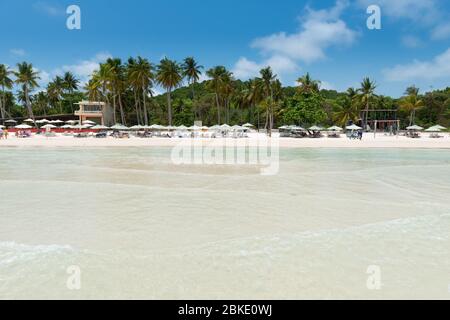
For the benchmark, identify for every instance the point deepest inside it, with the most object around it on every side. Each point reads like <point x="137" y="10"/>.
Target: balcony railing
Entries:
<point x="89" y="109"/>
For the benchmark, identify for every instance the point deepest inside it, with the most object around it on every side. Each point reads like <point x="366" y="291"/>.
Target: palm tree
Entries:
<point x="55" y="90"/>
<point x="255" y="94"/>
<point x="116" y="81"/>
<point x="6" y="83"/>
<point x="27" y="77"/>
<point x="349" y="110"/>
<point x="268" y="79"/>
<point x="41" y="102"/>
<point x="192" y="71"/>
<point x="217" y="75"/>
<point x="308" y="85"/>
<point x="104" y="76"/>
<point x="140" y="76"/>
<point x="93" y="89"/>
<point x="70" y="82"/>
<point x="411" y="103"/>
<point x="366" y="93"/>
<point x="169" y="76"/>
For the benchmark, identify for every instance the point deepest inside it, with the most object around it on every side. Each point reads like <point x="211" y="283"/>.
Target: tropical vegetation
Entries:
<point x="130" y="86"/>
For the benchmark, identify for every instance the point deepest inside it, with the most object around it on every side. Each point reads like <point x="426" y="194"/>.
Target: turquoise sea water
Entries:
<point x="138" y="226"/>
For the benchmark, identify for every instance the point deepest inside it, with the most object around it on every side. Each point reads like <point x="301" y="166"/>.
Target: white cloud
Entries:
<point x="245" y="69"/>
<point x="437" y="68"/>
<point x="319" y="30"/>
<point x="416" y="10"/>
<point x="441" y="32"/>
<point x="18" y="52"/>
<point x="84" y="69"/>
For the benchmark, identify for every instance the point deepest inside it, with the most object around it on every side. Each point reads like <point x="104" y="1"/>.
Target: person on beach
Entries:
<point x="1" y="133"/>
<point x="5" y="134"/>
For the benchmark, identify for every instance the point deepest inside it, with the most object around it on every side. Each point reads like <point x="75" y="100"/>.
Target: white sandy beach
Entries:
<point x="369" y="141"/>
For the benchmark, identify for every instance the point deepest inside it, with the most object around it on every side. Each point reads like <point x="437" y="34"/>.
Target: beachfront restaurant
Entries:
<point x="98" y="112"/>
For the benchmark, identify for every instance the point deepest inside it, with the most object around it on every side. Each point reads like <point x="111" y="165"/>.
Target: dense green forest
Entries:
<point x="262" y="101"/>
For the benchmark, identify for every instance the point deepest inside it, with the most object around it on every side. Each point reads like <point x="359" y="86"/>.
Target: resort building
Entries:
<point x="98" y="112"/>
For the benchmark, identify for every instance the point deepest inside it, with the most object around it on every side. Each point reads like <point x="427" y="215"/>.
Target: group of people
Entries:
<point x="4" y="133"/>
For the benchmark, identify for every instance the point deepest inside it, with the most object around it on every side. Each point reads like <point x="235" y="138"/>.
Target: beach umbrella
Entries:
<point x="44" y="121"/>
<point x="29" y="120"/>
<point x="335" y="128"/>
<point x="433" y="129"/>
<point x="248" y="125"/>
<point x="119" y="127"/>
<point x="353" y="127"/>
<point x="439" y="127"/>
<point x="216" y="127"/>
<point x="136" y="128"/>
<point x="48" y="126"/>
<point x="315" y="128"/>
<point x="11" y="121"/>
<point x="100" y="127"/>
<point x="23" y="126"/>
<point x="415" y="128"/>
<point x="56" y="121"/>
<point x="2" y="127"/>
<point x="71" y="122"/>
<point x="205" y="128"/>
<point x="225" y="126"/>
<point x="89" y="122"/>
<point x="67" y="126"/>
<point x="182" y="128"/>
<point x="195" y="128"/>
<point x="237" y="128"/>
<point x="284" y="127"/>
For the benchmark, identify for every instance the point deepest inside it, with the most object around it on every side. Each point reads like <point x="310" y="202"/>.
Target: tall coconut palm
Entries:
<point x="227" y="90"/>
<point x="116" y="82"/>
<point x="104" y="76"/>
<point x="27" y="77"/>
<point x="217" y="75"/>
<point x="70" y="82"/>
<point x="192" y="71"/>
<point x="169" y="76"/>
<point x="6" y="83"/>
<point x="411" y="103"/>
<point x="268" y="78"/>
<point x="140" y="76"/>
<point x="307" y="85"/>
<point x="255" y="95"/>
<point x="93" y="89"/>
<point x="41" y="102"/>
<point x="366" y="94"/>
<point x="55" y="91"/>
<point x="348" y="110"/>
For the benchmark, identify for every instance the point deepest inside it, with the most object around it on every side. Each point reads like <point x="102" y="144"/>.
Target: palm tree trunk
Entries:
<point x="1" y="106"/>
<point x="114" y="107"/>
<point x="145" y="105"/>
<point x="122" y="114"/>
<point x="138" y="114"/>
<point x="28" y="103"/>
<point x="218" y="109"/>
<point x="169" y="105"/>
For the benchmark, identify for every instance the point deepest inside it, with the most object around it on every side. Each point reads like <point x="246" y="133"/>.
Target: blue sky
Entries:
<point x="329" y="39"/>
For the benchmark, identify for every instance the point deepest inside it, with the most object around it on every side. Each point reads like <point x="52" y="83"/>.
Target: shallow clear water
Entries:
<point x="138" y="226"/>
